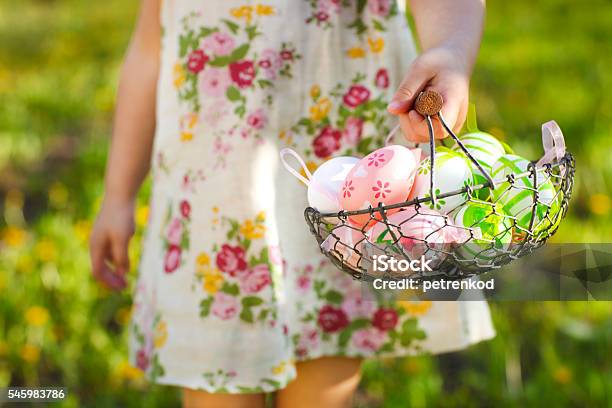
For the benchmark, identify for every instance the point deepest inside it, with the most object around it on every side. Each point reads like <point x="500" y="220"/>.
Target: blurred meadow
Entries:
<point x="59" y="62"/>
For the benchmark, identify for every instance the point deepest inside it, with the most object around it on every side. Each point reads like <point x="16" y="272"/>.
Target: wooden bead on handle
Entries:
<point x="428" y="103"/>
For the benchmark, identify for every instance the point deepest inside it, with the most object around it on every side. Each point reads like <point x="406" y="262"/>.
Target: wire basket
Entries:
<point x="455" y="251"/>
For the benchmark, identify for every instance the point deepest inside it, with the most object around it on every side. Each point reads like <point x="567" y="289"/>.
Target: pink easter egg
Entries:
<point x="383" y="176"/>
<point x="419" y="232"/>
<point x="346" y="243"/>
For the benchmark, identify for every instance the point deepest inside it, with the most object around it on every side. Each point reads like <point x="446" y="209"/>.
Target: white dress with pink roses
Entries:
<point x="233" y="290"/>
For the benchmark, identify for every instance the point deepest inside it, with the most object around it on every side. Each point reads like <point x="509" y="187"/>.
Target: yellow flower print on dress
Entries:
<point x="178" y="75"/>
<point x="188" y="123"/>
<point x="415" y="308"/>
<point x="263" y="10"/>
<point x="320" y="110"/>
<point x="376" y="44"/>
<point x="161" y="334"/>
<point x="213" y="280"/>
<point x="315" y="92"/>
<point x="252" y="230"/>
<point x="356" y="52"/>
<point x="203" y="259"/>
<point x="280" y="368"/>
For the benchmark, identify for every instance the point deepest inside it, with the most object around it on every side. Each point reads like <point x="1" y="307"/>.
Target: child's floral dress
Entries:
<point x="233" y="290"/>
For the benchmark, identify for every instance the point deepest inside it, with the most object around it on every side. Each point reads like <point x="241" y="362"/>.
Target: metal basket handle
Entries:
<point x="429" y="103"/>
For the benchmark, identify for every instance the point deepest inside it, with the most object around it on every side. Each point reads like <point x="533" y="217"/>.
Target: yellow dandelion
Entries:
<point x="252" y="230"/>
<point x="563" y="375"/>
<point x="58" y="194"/>
<point x="30" y="353"/>
<point x="142" y="215"/>
<point x="213" y="280"/>
<point x="46" y="250"/>
<point x="260" y="217"/>
<point x="356" y="52"/>
<point x="415" y="308"/>
<point x="315" y="91"/>
<point x="320" y="110"/>
<point x="122" y="316"/>
<point x="203" y="259"/>
<point x="178" y="75"/>
<point x="161" y="334"/>
<point x="82" y="230"/>
<point x="263" y="10"/>
<point x="14" y="236"/>
<point x="126" y="371"/>
<point x="376" y="44"/>
<point x="599" y="204"/>
<point x="280" y="368"/>
<point x="36" y="316"/>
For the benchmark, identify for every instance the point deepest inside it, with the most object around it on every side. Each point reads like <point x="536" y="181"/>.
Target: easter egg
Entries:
<point x="326" y="182"/>
<point x="452" y="172"/>
<point x="491" y="230"/>
<point x="517" y="199"/>
<point x="346" y="243"/>
<point x="384" y="176"/>
<point x="419" y="232"/>
<point x="486" y="149"/>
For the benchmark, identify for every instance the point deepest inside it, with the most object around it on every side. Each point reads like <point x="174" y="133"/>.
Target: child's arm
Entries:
<point x="130" y="150"/>
<point x="449" y="32"/>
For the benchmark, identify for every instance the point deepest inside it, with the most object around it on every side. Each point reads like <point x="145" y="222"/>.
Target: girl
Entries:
<point x="234" y="299"/>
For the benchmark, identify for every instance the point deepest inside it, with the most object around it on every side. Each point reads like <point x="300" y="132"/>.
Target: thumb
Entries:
<point x="413" y="83"/>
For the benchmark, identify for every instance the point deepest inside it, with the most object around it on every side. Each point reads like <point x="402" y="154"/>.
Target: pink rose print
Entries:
<point x="385" y="319"/>
<point x="142" y="359"/>
<point x="218" y="43"/>
<point x="376" y="159"/>
<point x="275" y="255"/>
<point x="347" y="188"/>
<point x="224" y="306"/>
<point x="304" y="283"/>
<point x="353" y="128"/>
<point x="382" y="79"/>
<point x="321" y="16"/>
<point x="271" y="62"/>
<point x="257" y="119"/>
<point x="356" y="95"/>
<point x="185" y="209"/>
<point x="327" y="142"/>
<point x="231" y="260"/>
<point x="329" y="6"/>
<point x="309" y="340"/>
<point x="370" y="339"/>
<point x="286" y="55"/>
<point x="355" y="306"/>
<point x="214" y="82"/>
<point x="379" y="7"/>
<point x="175" y="231"/>
<point x="381" y="189"/>
<point x="257" y="279"/>
<point x="242" y="73"/>
<point x="332" y="319"/>
<point x="173" y="258"/>
<point x="196" y="61"/>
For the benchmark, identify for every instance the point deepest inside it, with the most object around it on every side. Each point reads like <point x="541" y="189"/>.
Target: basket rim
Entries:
<point x="567" y="159"/>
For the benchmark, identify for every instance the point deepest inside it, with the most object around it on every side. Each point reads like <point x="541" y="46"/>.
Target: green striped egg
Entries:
<point x="491" y="228"/>
<point x="486" y="149"/>
<point x="517" y="199"/>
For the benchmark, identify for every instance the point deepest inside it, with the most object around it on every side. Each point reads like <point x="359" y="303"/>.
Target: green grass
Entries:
<point x="59" y="62"/>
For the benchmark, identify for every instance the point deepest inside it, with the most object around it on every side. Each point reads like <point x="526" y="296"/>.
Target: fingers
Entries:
<point x="415" y="127"/>
<point x="413" y="83"/>
<point x="106" y="252"/>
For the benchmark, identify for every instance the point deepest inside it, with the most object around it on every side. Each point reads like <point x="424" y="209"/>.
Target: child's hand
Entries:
<point x="109" y="244"/>
<point x="444" y="70"/>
